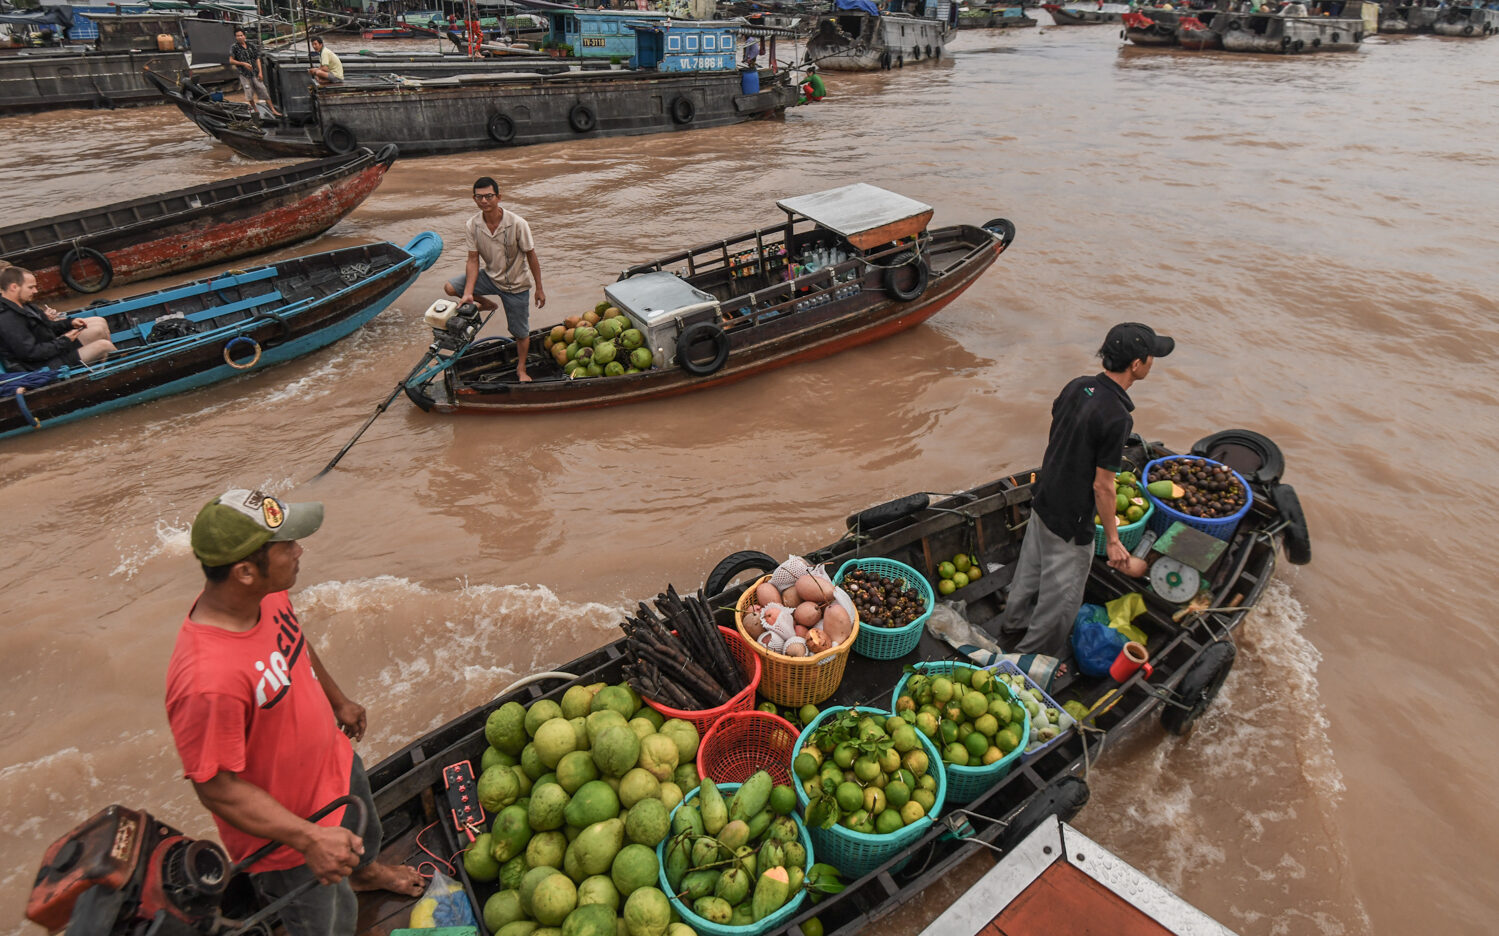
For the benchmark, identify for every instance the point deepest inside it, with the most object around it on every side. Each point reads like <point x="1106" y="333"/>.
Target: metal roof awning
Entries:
<point x="865" y="214"/>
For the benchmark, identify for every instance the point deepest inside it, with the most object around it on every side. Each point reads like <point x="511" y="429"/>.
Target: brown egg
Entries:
<point x="837" y="624"/>
<point x="766" y="594"/>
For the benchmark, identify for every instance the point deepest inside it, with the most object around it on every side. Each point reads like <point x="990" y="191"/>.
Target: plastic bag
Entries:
<point x="948" y="623"/>
<point x="1122" y="611"/>
<point x="1094" y="643"/>
<point x="443" y="904"/>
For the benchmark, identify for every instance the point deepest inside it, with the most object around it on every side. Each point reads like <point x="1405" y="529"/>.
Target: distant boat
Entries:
<point x="1089" y="15"/>
<point x="858" y="37"/>
<point x="200" y="333"/>
<point x="86" y="251"/>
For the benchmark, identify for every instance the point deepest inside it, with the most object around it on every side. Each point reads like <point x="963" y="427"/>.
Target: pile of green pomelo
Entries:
<point x="968" y="713"/>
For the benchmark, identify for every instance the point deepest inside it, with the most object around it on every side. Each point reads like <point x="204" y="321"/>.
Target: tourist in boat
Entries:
<point x="501" y="262"/>
<point x="34" y="337"/>
<point x="1090" y="421"/>
<point x="328" y="70"/>
<point x="244" y="55"/>
<point x="261" y="726"/>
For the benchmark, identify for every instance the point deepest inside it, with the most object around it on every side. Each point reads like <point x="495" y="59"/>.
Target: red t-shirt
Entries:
<point x="249" y="703"/>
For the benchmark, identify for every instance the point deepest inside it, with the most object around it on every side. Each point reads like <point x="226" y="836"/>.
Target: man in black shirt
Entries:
<point x="34" y="337"/>
<point x="244" y="55"/>
<point x="1089" y="422"/>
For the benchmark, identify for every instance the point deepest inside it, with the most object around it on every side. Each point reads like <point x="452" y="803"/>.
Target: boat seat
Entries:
<point x="143" y="329"/>
<point x="184" y="292"/>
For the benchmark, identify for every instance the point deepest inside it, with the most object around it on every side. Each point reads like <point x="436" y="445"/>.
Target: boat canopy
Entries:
<point x="857" y="6"/>
<point x="865" y="214"/>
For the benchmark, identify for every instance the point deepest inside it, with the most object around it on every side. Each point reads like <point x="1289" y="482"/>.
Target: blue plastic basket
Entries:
<point x="1129" y="534"/>
<point x="887" y="643"/>
<point x="1067" y="721"/>
<point x="858" y="853"/>
<point x="965" y="783"/>
<point x="1220" y="527"/>
<point x="774" y="921"/>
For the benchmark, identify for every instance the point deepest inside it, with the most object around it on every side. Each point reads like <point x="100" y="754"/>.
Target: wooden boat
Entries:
<point x="86" y="251"/>
<point x="1468" y="21"/>
<point x="847" y="267"/>
<point x="1084" y="16"/>
<point x="1191" y="659"/>
<point x="1196" y="32"/>
<point x="203" y="332"/>
<point x="993" y="17"/>
<point x="1289" y="35"/>
<point x="1151" y="27"/>
<point x="855" y="40"/>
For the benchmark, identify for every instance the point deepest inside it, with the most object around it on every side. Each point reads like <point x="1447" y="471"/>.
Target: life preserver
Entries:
<point x="340" y="139"/>
<point x="1200" y="685"/>
<point x="734" y="564"/>
<point x="683" y="110"/>
<point x="229" y="352"/>
<point x="582" y="118"/>
<point x="65" y="269"/>
<point x="501" y="128"/>
<point x="699" y="332"/>
<point x="923" y="274"/>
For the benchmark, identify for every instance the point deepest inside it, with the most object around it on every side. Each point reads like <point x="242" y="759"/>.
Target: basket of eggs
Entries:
<point x="803" y="627"/>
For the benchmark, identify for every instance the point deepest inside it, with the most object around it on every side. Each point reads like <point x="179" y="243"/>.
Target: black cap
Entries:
<point x="1131" y="341"/>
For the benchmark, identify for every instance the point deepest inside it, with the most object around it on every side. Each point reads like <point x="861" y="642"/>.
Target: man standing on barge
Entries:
<point x="502" y="241"/>
<point x="1090" y="421"/>
<point x="256" y="718"/>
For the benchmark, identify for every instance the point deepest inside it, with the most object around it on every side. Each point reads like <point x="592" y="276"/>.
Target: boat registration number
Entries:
<point x="593" y="43"/>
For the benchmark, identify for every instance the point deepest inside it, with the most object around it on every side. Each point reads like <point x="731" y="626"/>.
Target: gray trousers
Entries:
<point x="325" y="909"/>
<point x="1046" y="592"/>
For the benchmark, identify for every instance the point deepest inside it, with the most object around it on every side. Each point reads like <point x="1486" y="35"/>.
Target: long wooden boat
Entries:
<point x="1469" y="21"/>
<point x="1190" y="659"/>
<point x="1150" y="27"/>
<point x="1288" y="35"/>
<point x="1195" y="31"/>
<point x="851" y="40"/>
<point x="994" y="17"/>
<point x="88" y="250"/>
<point x="847" y="267"/>
<point x="1083" y="16"/>
<point x="203" y="332"/>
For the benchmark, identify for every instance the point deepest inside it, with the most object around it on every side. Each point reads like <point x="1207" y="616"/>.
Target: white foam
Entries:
<point x="171" y="541"/>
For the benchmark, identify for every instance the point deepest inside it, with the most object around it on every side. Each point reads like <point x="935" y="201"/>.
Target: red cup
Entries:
<point x="1131" y="658"/>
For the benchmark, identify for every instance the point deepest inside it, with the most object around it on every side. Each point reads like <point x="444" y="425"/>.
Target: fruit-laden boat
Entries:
<point x="206" y="331"/>
<point x="86" y="251"/>
<point x="1191" y="654"/>
<point x="847" y="266"/>
<point x="857" y="36"/>
<point x="1467" y="20"/>
<point x="1399" y="17"/>
<point x="1195" y="31"/>
<point x="1289" y="35"/>
<point x="1085" y="15"/>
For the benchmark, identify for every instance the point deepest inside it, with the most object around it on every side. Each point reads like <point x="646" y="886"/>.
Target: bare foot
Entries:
<point x="523" y="377"/>
<point x="398" y="879"/>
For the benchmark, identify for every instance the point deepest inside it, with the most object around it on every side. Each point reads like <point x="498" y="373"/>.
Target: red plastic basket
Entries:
<point x="744" y="742"/>
<point x="743" y="701"/>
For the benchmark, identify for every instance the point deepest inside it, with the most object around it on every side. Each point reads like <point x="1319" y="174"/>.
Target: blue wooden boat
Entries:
<point x="206" y="331"/>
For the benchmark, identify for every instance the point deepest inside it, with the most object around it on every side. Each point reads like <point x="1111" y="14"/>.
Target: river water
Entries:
<point x="1311" y="230"/>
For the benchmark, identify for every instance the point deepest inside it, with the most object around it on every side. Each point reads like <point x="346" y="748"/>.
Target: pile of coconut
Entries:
<point x="798" y="611"/>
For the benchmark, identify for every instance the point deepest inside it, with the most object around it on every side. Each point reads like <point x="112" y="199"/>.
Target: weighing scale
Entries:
<point x="1185" y="555"/>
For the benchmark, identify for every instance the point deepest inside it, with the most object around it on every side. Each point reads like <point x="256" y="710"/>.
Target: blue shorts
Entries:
<point x="517" y="305"/>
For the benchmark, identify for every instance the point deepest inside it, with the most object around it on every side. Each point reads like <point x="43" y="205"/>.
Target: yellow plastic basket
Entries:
<point x="796" y="681"/>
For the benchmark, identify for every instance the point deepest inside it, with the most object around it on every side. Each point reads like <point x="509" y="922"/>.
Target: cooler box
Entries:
<point x="661" y="304"/>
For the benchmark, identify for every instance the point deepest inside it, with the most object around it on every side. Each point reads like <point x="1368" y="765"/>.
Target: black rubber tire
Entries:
<point x="1199" y="687"/>
<point x="1336" y="37"/>
<point x="1468" y="30"/>
<point x="1316" y="42"/>
<point x="1358" y="37"/>
<point x="693" y="334"/>
<point x="886" y="61"/>
<point x="65" y="269"/>
<point x="1298" y="539"/>
<point x="734" y="564"/>
<point x="1234" y="25"/>
<point x="500" y="128"/>
<point x="1285" y="42"/>
<point x="923" y="276"/>
<point x="340" y="139"/>
<point x="277" y="320"/>
<point x="1063" y="799"/>
<point x="928" y="51"/>
<point x="1298" y="45"/>
<point x="1224" y="447"/>
<point x="582" y="118"/>
<point x="888" y="512"/>
<point x="916" y="53"/>
<point x="683" y="110"/>
<point x="1004" y="228"/>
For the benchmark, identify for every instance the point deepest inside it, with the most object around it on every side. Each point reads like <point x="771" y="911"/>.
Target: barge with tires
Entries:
<point x="848" y="266"/>
<point x="203" y="332"/>
<point x="89" y="250"/>
<point x="1281" y="34"/>
<point x="858" y="37"/>
<point x="1191" y="655"/>
<point x="1466" y="20"/>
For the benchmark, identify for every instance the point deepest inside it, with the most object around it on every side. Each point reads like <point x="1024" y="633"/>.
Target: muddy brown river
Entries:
<point x="1316" y="232"/>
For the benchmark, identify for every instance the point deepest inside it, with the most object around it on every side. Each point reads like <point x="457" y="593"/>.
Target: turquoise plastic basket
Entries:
<point x="1129" y="534"/>
<point x="774" y="921"/>
<point x="887" y="643"/>
<point x="858" y="853"/>
<point x="966" y="784"/>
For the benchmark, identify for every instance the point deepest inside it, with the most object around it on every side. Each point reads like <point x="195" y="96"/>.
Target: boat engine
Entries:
<point x="124" y="873"/>
<point x="453" y="325"/>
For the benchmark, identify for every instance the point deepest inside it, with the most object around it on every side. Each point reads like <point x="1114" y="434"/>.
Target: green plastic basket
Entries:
<point x="858" y="853"/>
<point x="887" y="643"/>
<point x="1129" y="534"/>
<point x="966" y="784"/>
<point x="774" y="921"/>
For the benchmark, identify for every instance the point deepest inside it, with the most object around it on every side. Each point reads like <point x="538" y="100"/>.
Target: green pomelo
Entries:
<point x="555" y="740"/>
<point x="512" y="871"/>
<point x="575" y="702"/>
<point x="530" y="761"/>
<point x="600" y="719"/>
<point x="590" y="920"/>
<point x="479" y="861"/>
<point x="658" y="754"/>
<point x="597" y="845"/>
<point x="498" y="788"/>
<point x="580" y="732"/>
<point x="648" y="822"/>
<point x="540" y="713"/>
<point x="600" y="890"/>
<point x="634" y="867"/>
<point x="642" y="727"/>
<point x="548" y="807"/>
<point x="647" y="912"/>
<point x="501" y="908"/>
<point x="546" y="850"/>
<point x="493" y="757"/>
<point x="684" y="735"/>
<point x="616" y="699"/>
<point x="576" y="769"/>
<point x="510" y="834"/>
<point x="519" y="928"/>
<point x="685" y="777"/>
<point x="554" y="898"/>
<point x="505" y="729"/>
<point x="636" y="785"/>
<point x="528" y="886"/>
<point x="595" y="801"/>
<point x="616" y="749"/>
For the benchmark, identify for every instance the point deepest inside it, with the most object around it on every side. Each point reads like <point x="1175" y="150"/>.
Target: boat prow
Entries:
<point x="425" y="247"/>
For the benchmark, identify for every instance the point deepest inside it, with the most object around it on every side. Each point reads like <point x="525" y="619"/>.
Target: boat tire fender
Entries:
<point x="501" y="128"/>
<point x="1285" y="42"/>
<point x="340" y="139"/>
<point x="699" y="332"/>
<point x="229" y="352"/>
<point x="65" y="269"/>
<point x="1317" y="42"/>
<point x="734" y="565"/>
<point x="885" y="60"/>
<point x="900" y="61"/>
<point x="1358" y="37"/>
<point x="1063" y="799"/>
<point x="923" y="275"/>
<point x="1199" y="687"/>
<point x="1468" y="30"/>
<point x="1298" y="45"/>
<point x="1002" y="227"/>
<point x="1234" y="25"/>
<point x="888" y="512"/>
<point x="582" y="118"/>
<point x="683" y="110"/>
<point x="1298" y="539"/>
<point x="1222" y="446"/>
<point x="276" y="319"/>
<point x="916" y="53"/>
<point x="928" y="51"/>
<point x="1336" y="37"/>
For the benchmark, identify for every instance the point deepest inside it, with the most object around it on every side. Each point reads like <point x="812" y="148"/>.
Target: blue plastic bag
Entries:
<point x="1095" y="644"/>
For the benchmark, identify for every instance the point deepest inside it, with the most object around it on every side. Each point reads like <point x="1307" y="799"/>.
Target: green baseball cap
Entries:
<point x="235" y="524"/>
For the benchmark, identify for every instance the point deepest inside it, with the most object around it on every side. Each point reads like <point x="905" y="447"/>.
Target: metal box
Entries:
<point x="661" y="304"/>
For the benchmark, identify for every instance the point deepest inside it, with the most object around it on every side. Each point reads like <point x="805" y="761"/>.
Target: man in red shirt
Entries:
<point x="262" y="729"/>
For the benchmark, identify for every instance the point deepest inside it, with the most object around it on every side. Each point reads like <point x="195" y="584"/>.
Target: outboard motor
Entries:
<point x="453" y="325"/>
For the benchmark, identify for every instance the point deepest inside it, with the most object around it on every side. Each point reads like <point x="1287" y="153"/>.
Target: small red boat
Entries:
<point x="847" y="267"/>
<point x="88" y="250"/>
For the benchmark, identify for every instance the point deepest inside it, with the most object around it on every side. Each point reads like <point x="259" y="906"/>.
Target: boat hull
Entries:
<point x="1288" y="35"/>
<point x="1466" y="22"/>
<point x="1073" y="16"/>
<point x="47" y="81"/>
<point x="875" y="43"/>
